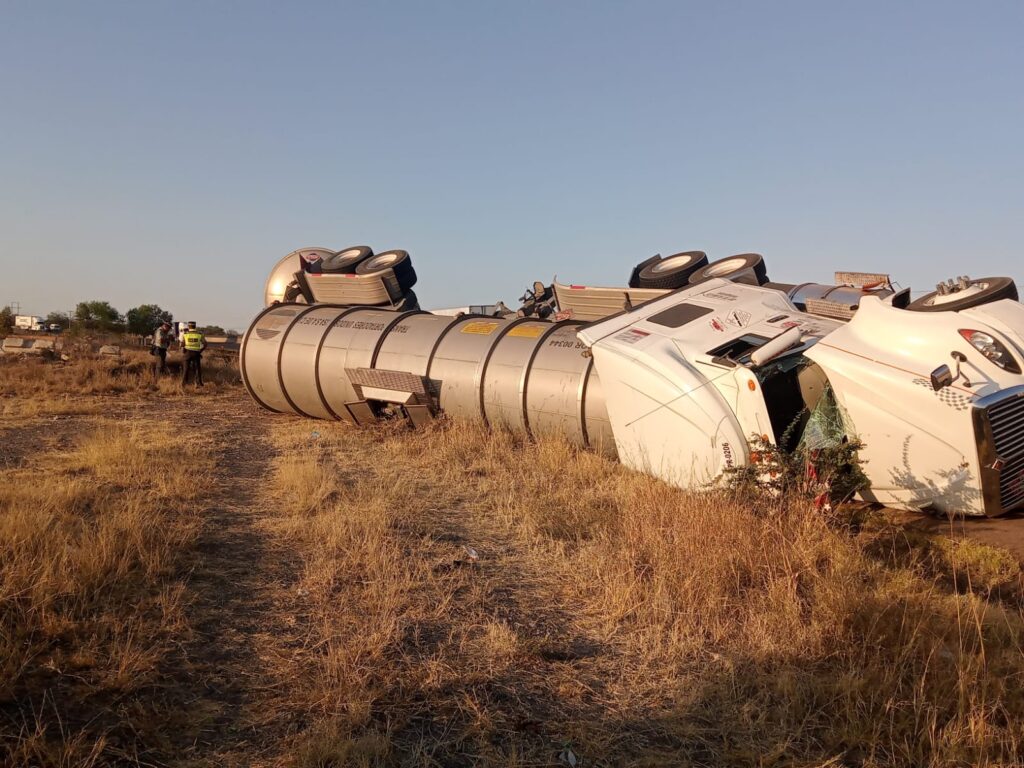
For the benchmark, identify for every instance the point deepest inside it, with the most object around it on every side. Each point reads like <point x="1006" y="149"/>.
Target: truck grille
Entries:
<point x="1000" y="425"/>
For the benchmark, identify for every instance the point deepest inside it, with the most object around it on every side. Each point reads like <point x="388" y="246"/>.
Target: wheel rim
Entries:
<point x="725" y="267"/>
<point x="382" y="262"/>
<point x="350" y="253"/>
<point x="672" y="263"/>
<point x="972" y="290"/>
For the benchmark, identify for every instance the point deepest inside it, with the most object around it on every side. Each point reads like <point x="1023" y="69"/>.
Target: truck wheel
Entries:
<point x="344" y="262"/>
<point x="977" y="292"/>
<point x="408" y="302"/>
<point x="634" y="276"/>
<point x="672" y="271"/>
<point x="744" y="267"/>
<point x="397" y="261"/>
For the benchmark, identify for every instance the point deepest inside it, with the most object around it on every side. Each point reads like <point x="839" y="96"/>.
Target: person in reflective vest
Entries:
<point x="193" y="342"/>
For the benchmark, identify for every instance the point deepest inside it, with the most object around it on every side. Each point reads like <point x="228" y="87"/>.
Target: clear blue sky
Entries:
<point x="171" y="152"/>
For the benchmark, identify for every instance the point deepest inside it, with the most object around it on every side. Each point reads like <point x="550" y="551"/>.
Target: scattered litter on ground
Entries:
<point x="568" y="757"/>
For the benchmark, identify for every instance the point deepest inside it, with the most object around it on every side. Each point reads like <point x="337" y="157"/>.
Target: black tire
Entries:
<point x="345" y="261"/>
<point x="991" y="289"/>
<point x="673" y="271"/>
<point x="634" y="276"/>
<point x="408" y="301"/>
<point x="732" y="268"/>
<point x="397" y="261"/>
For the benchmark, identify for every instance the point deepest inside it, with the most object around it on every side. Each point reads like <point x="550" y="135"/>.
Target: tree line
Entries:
<point x="101" y="316"/>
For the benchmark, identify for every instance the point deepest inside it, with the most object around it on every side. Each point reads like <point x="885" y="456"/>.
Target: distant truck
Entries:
<point x="29" y="323"/>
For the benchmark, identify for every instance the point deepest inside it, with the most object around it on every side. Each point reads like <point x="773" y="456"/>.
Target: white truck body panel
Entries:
<point x="682" y="415"/>
<point x="675" y="412"/>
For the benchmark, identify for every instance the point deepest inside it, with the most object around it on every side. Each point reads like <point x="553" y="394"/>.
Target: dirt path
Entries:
<point x="239" y="581"/>
<point x="20" y="439"/>
<point x="555" y="646"/>
<point x="1006" y="531"/>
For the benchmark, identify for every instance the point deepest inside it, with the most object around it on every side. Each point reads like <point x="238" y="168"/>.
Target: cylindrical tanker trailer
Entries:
<point x="530" y="376"/>
<point x="679" y="386"/>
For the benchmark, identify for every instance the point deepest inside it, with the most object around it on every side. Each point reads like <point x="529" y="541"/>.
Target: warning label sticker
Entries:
<point x="738" y="318"/>
<point x="527" y="331"/>
<point x="632" y="336"/>
<point x="480" y="327"/>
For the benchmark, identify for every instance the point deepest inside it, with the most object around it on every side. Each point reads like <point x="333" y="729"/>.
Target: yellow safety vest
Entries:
<point x="194" y="341"/>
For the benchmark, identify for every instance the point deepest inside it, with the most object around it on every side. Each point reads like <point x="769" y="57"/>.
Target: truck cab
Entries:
<point x="689" y="385"/>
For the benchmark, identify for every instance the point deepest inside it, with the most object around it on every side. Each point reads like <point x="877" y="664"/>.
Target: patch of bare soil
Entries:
<point x="29" y="437"/>
<point x="509" y="707"/>
<point x="239" y="583"/>
<point x="1006" y="532"/>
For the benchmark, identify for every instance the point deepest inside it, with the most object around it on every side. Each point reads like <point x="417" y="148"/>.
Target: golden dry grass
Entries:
<point x="636" y="623"/>
<point x="90" y="601"/>
<point x="458" y="597"/>
<point x="37" y="387"/>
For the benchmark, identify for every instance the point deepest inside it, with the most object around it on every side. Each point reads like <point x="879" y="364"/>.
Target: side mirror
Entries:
<point x="942" y="377"/>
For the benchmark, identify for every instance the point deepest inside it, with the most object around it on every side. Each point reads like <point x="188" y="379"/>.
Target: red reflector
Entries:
<point x="578" y="287"/>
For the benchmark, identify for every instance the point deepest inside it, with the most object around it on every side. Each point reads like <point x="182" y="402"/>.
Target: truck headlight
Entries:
<point x="991" y="348"/>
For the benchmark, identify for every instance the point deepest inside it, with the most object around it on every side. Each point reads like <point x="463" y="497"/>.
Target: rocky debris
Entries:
<point x="14" y="345"/>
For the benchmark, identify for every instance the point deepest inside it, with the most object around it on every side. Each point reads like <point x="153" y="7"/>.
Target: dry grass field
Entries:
<point x="188" y="581"/>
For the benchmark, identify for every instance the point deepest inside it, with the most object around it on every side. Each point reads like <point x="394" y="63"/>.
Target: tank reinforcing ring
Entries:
<point x="529" y="367"/>
<point x="482" y="371"/>
<point x="347" y="310"/>
<point x="280" y="353"/>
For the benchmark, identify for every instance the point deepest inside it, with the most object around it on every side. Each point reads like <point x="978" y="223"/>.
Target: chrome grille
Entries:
<point x="1007" y="422"/>
<point x="999" y="424"/>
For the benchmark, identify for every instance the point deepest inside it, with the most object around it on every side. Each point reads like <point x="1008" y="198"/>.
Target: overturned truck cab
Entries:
<point x="692" y="377"/>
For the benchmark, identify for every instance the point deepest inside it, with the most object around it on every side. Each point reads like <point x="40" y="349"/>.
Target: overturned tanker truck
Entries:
<point x="676" y="373"/>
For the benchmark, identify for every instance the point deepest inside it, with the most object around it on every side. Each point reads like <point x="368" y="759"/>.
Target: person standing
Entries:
<point x="193" y="343"/>
<point x="161" y="343"/>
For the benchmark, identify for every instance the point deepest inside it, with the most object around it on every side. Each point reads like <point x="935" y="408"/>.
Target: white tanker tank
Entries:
<point x="679" y="386"/>
<point x="336" y="362"/>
